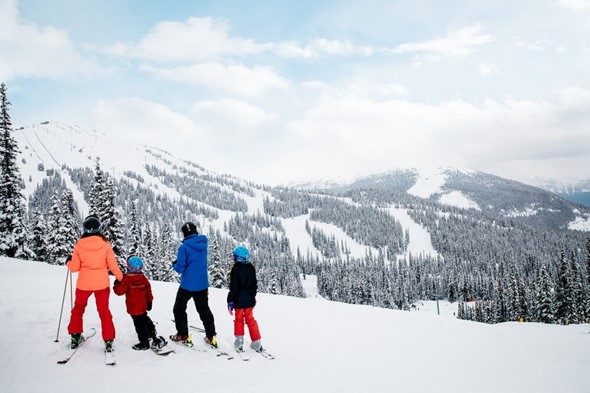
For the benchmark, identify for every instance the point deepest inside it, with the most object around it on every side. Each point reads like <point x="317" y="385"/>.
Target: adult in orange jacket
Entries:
<point x="93" y="257"/>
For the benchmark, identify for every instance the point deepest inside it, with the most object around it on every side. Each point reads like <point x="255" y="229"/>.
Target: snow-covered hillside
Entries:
<point x="53" y="145"/>
<point x="320" y="346"/>
<point x="468" y="189"/>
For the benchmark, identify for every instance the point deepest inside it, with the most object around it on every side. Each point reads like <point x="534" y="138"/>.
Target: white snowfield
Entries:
<point x="320" y="346"/>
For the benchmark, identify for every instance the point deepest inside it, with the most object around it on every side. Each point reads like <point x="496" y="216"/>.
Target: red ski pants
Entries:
<point x="246" y="315"/>
<point x="102" y="305"/>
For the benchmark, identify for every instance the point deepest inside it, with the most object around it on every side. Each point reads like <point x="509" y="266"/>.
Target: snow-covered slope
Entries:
<point x="494" y="195"/>
<point x="320" y="346"/>
<point x="574" y="190"/>
<point x="52" y="145"/>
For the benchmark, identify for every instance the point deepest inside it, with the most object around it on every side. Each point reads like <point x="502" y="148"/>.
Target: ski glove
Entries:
<point x="149" y="306"/>
<point x="230" y="308"/>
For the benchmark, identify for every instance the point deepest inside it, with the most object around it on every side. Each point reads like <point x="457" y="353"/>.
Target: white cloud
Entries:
<point x="232" y="114"/>
<point x="345" y="133"/>
<point x="574" y="5"/>
<point x="139" y="121"/>
<point x="233" y="78"/>
<point x="457" y="43"/>
<point x="537" y="45"/>
<point x="198" y="39"/>
<point x="338" y="48"/>
<point x="206" y="39"/>
<point x="32" y="51"/>
<point x="487" y="70"/>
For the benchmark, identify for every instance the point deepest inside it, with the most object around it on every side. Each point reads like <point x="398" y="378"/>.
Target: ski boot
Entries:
<point x="211" y="341"/>
<point x="256" y="346"/>
<point x="76" y="339"/>
<point x="239" y="343"/>
<point x="108" y="346"/>
<point x="181" y="339"/>
<point x="142" y="346"/>
<point x="158" y="342"/>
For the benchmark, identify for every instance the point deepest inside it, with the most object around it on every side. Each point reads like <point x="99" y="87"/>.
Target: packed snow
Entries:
<point x="458" y="199"/>
<point x="320" y="346"/>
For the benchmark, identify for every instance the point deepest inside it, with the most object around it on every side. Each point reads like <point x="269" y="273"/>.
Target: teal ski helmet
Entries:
<point x="241" y="254"/>
<point x="134" y="264"/>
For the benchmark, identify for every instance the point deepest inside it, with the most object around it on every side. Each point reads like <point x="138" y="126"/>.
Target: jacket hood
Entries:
<point x="92" y="243"/>
<point x="196" y="242"/>
<point x="135" y="278"/>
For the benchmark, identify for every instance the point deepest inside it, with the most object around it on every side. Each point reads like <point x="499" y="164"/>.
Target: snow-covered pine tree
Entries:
<point x="58" y="250"/>
<point x="216" y="266"/>
<point x="38" y="230"/>
<point x="70" y="220"/>
<point x="13" y="227"/>
<point x="544" y="299"/>
<point x="39" y="234"/>
<point x="587" y="286"/>
<point x="167" y="256"/>
<point x="147" y="252"/>
<point x="110" y="218"/>
<point x="96" y="190"/>
<point x="578" y="292"/>
<point x="563" y="292"/>
<point x="134" y="231"/>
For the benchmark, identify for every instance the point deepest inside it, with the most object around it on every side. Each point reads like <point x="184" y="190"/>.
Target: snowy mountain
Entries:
<point x="494" y="195"/>
<point x="57" y="146"/>
<point x="575" y="191"/>
<point x="320" y="346"/>
<point x="389" y="240"/>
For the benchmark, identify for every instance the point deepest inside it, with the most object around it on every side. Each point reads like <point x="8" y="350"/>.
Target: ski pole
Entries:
<point x="71" y="293"/>
<point x="68" y="274"/>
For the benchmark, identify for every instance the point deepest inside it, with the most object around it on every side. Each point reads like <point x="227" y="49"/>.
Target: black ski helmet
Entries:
<point x="91" y="224"/>
<point x="188" y="228"/>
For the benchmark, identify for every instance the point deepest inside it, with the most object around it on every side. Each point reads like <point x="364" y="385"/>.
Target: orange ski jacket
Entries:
<point x="93" y="257"/>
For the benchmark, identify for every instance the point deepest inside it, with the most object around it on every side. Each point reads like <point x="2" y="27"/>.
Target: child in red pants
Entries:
<point x="242" y="299"/>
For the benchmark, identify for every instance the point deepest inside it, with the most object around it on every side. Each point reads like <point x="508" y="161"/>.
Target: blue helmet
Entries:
<point x="134" y="264"/>
<point x="241" y="254"/>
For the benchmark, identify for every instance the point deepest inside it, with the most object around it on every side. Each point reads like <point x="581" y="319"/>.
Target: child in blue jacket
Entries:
<point x="191" y="263"/>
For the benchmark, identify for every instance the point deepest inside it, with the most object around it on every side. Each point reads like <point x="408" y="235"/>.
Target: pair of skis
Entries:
<point x="218" y="351"/>
<point x="242" y="354"/>
<point x="109" y="356"/>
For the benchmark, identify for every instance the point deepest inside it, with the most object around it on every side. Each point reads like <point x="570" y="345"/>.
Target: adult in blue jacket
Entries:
<point x="191" y="263"/>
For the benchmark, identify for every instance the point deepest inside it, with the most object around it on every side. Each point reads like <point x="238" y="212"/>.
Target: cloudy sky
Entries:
<point x="278" y="91"/>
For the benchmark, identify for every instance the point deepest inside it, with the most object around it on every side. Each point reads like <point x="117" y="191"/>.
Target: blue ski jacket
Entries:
<point x="191" y="263"/>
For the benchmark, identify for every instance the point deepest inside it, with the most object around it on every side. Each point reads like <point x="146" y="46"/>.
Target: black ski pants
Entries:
<point x="144" y="327"/>
<point x="201" y="299"/>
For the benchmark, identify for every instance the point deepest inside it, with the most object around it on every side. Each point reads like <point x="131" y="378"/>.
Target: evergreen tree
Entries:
<point x="544" y="301"/>
<point x="148" y="252"/>
<point x="70" y="220"/>
<point x="587" y="316"/>
<point x="564" y="301"/>
<point x="110" y="218"/>
<point x="97" y="191"/>
<point x="39" y="234"/>
<point x="134" y="232"/>
<point x="13" y="227"/>
<point x="217" y="272"/>
<point x="58" y="249"/>
<point x="167" y="255"/>
<point x="578" y="293"/>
